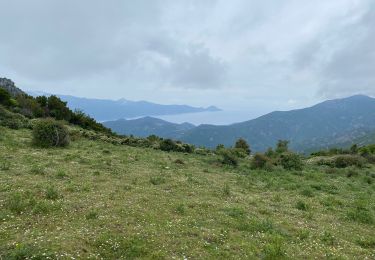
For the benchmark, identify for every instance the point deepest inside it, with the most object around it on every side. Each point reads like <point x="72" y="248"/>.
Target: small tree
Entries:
<point x="354" y="149"/>
<point x="5" y="98"/>
<point x="242" y="144"/>
<point x="50" y="133"/>
<point x="282" y="146"/>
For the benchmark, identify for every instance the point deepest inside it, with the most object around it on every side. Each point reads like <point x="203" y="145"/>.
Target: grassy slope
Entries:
<point x="97" y="200"/>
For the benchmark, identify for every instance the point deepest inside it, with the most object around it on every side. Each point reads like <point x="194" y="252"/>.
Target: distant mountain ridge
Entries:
<point x="330" y="123"/>
<point x="147" y="126"/>
<point x="105" y="109"/>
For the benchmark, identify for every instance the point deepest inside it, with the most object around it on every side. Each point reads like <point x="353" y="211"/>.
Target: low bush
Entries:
<point x="50" y="133"/>
<point x="343" y="161"/>
<point x="291" y="161"/>
<point x="229" y="157"/>
<point x="168" y="145"/>
<point x="243" y="145"/>
<point x="260" y="161"/>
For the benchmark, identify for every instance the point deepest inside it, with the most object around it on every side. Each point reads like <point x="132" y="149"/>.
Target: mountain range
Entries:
<point x="147" y="126"/>
<point x="331" y="123"/>
<point x="106" y="109"/>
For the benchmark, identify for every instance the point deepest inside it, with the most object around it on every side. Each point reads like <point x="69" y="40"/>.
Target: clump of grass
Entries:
<point x="368" y="243"/>
<point x="4" y="166"/>
<point x="180" y="209"/>
<point x="61" y="174"/>
<point x="352" y="173"/>
<point x="303" y="234"/>
<point x="360" y="213"/>
<point x="92" y="215"/>
<point x="17" y="203"/>
<point x="307" y="192"/>
<point x="24" y="251"/>
<point x="121" y="247"/>
<point x="256" y="225"/>
<point x="43" y="207"/>
<point x="274" y="249"/>
<point x="328" y="238"/>
<point x="37" y="170"/>
<point x="235" y="212"/>
<point x="226" y="190"/>
<point x="51" y="193"/>
<point x="157" y="180"/>
<point x="301" y="205"/>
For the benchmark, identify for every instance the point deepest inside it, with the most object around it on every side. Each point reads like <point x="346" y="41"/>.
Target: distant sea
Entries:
<point x="212" y="118"/>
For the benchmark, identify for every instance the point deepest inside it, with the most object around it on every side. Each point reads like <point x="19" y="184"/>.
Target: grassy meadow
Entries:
<point x="95" y="200"/>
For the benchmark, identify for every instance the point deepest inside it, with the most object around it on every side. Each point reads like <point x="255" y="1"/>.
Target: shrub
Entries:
<point x="343" y="161"/>
<point x="5" y="98"/>
<point x="229" y="157"/>
<point x="282" y="146"/>
<point x="168" y="145"/>
<point x="243" y="145"/>
<point x="291" y="161"/>
<point x="260" y="161"/>
<point x="50" y="133"/>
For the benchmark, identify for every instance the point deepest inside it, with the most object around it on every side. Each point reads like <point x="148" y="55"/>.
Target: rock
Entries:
<point x="9" y="86"/>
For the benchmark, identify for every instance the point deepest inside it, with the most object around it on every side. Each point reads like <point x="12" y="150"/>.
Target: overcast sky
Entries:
<point x="237" y="54"/>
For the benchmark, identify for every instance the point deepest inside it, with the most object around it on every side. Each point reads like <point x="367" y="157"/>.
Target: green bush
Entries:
<point x="229" y="157"/>
<point x="5" y="98"/>
<point x="260" y="161"/>
<point x="291" y="161"/>
<point x="243" y="145"/>
<point x="168" y="145"/>
<point x="50" y="133"/>
<point x="343" y="161"/>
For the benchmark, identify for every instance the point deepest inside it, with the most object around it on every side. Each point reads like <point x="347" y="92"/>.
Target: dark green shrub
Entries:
<point x="188" y="148"/>
<point x="50" y="133"/>
<point x="243" y="145"/>
<point x="168" y="145"/>
<point x="229" y="157"/>
<point x="291" y="161"/>
<point x="282" y="146"/>
<point x="5" y="98"/>
<point x="343" y="161"/>
<point x="260" y="161"/>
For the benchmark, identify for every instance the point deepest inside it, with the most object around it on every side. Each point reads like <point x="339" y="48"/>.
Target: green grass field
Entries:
<point x="94" y="200"/>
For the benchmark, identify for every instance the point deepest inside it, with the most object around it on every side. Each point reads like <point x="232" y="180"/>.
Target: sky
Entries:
<point x="248" y="55"/>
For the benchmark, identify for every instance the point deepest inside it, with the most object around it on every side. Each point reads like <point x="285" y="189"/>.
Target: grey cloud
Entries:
<point x="164" y="48"/>
<point x="352" y="68"/>
<point x="54" y="40"/>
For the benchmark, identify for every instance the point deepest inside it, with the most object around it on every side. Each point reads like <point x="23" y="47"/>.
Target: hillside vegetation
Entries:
<point x="71" y="189"/>
<point x="97" y="200"/>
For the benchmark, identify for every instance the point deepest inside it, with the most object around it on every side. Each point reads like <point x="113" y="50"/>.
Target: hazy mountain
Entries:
<point x="148" y="126"/>
<point x="104" y="109"/>
<point x="327" y="123"/>
<point x="337" y="122"/>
